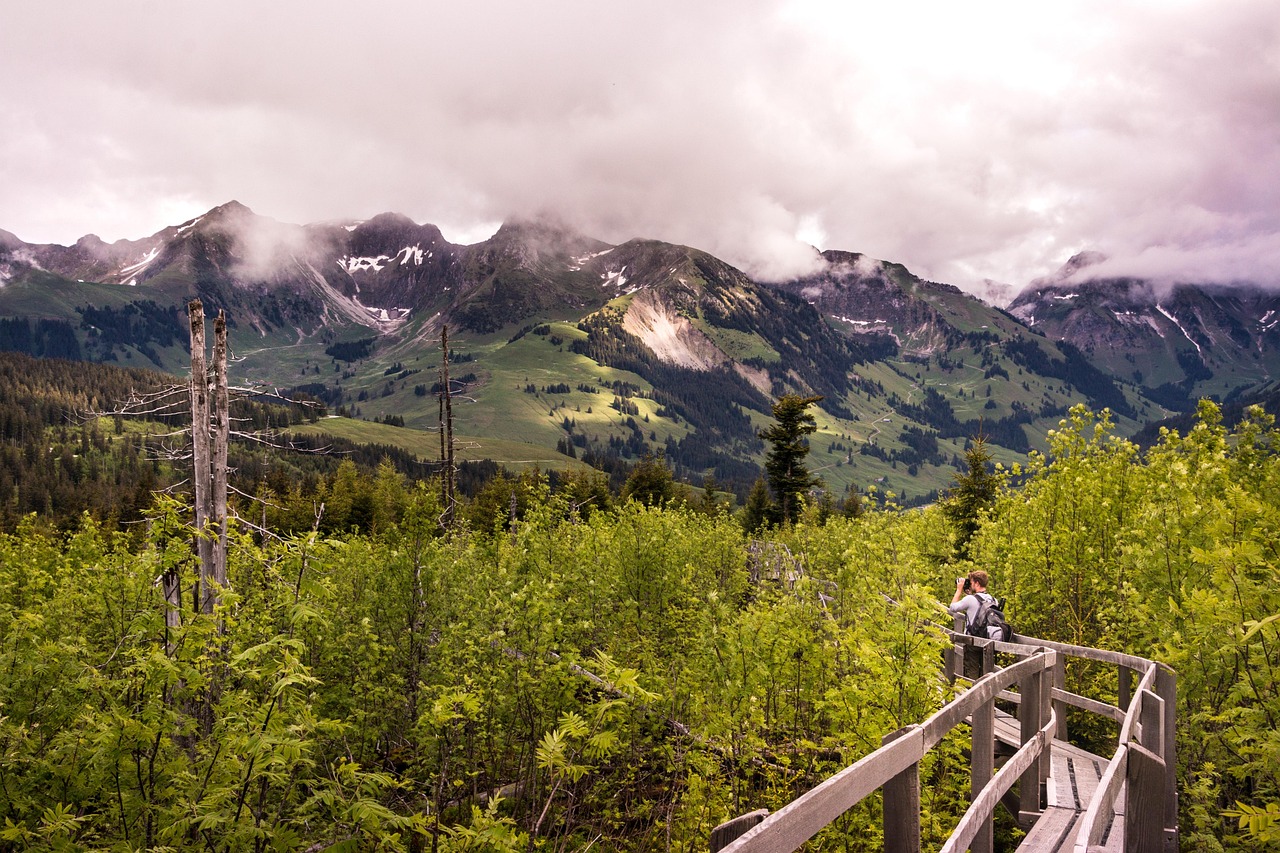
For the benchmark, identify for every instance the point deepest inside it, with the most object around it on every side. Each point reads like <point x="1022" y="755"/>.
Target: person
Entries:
<point x="971" y="591"/>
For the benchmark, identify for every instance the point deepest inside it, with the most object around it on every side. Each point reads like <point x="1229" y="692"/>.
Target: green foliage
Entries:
<point x="623" y="678"/>
<point x="1259" y="822"/>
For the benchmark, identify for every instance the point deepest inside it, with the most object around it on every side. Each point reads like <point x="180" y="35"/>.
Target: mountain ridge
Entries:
<point x="690" y="348"/>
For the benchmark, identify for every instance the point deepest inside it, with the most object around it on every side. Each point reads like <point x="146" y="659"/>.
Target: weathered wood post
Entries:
<point x="982" y="766"/>
<point x="1123" y="688"/>
<point x="1060" y="707"/>
<point x="1167" y="690"/>
<point x="220" y="433"/>
<point x="954" y="655"/>
<point x="986" y="656"/>
<point x="1046" y="714"/>
<point x="200" y="451"/>
<point x="902" y="804"/>
<point x="171" y="584"/>
<point x="1144" y="830"/>
<point x="1029" y="710"/>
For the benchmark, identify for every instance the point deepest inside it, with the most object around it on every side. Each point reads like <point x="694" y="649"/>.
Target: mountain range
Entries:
<point x="610" y="351"/>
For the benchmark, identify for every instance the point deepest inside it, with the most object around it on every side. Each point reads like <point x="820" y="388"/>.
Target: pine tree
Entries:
<point x="755" y="514"/>
<point x="784" y="464"/>
<point x="650" y="482"/>
<point x="974" y="492"/>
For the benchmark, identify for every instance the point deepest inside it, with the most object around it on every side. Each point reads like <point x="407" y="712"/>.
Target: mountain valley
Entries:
<point x="610" y="352"/>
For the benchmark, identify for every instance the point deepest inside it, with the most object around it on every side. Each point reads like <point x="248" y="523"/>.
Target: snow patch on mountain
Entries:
<point x="881" y="326"/>
<point x="1175" y="322"/>
<point x="352" y="265"/>
<point x="414" y="252"/>
<point x="582" y="260"/>
<point x="352" y="309"/>
<point x="1137" y="318"/>
<point x="614" y="277"/>
<point x="142" y="264"/>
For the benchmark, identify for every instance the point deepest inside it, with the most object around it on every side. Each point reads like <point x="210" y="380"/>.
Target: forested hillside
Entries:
<point x="620" y="680"/>
<point x="63" y="454"/>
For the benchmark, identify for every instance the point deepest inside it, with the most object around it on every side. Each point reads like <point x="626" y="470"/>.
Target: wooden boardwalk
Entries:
<point x="1074" y="775"/>
<point x="1066" y="798"/>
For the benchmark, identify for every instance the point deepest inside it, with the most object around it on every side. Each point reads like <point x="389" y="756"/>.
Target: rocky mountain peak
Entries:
<point x="1077" y="262"/>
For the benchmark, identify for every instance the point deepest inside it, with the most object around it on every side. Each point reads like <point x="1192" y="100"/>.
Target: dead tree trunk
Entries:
<point x="172" y="587"/>
<point x="209" y="434"/>
<point x="446" y="432"/>
<point x="220" y="430"/>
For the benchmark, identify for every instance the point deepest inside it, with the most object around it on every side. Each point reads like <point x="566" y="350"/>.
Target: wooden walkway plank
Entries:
<point x="1052" y="831"/>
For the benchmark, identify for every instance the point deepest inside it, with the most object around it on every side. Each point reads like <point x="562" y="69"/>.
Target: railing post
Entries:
<point x="954" y="655"/>
<point x="1167" y="689"/>
<point x="982" y="767"/>
<point x="1122" y="689"/>
<point x="1144" y="806"/>
<point x="988" y="651"/>
<point x="1029" y="709"/>
<point x="1059" y="707"/>
<point x="902" y="804"/>
<point x="1151" y="722"/>
<point x="1046" y="710"/>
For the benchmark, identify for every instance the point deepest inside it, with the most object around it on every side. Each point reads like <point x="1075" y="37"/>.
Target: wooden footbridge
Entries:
<point x="1066" y="798"/>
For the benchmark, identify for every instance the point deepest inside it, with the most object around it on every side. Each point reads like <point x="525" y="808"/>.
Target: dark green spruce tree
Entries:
<point x="973" y="493"/>
<point x="755" y="514"/>
<point x="784" y="466"/>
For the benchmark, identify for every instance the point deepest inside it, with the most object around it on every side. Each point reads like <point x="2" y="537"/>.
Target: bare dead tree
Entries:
<point x="210" y="432"/>
<point x="446" y="433"/>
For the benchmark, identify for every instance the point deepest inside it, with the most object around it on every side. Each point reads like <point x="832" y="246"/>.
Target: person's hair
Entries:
<point x="979" y="577"/>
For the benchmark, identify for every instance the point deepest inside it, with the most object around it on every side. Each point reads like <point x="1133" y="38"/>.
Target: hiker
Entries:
<point x="971" y="594"/>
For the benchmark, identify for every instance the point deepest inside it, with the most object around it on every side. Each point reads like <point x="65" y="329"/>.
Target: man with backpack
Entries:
<point x="983" y="614"/>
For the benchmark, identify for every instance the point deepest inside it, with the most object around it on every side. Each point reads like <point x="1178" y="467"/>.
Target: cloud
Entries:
<point x="968" y="142"/>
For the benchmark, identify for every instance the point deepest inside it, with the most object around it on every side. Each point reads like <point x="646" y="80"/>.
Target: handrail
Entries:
<point x="1093" y="824"/>
<point x="1144" y="757"/>
<point x="791" y="826"/>
<point x="1153" y="826"/>
<point x="984" y="803"/>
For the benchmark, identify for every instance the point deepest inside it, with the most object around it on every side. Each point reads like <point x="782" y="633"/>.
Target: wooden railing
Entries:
<point x="1145" y="760"/>
<point x="1144" y="757"/>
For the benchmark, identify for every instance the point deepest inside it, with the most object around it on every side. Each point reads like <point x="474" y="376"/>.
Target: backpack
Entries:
<point x="990" y="615"/>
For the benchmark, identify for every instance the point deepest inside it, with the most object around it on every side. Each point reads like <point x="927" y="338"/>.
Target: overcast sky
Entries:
<point x="968" y="140"/>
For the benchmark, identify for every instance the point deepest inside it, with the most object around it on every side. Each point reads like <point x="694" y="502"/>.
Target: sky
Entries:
<point x="973" y="142"/>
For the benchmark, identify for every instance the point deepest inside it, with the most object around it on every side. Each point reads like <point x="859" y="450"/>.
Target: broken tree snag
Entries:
<point x="210" y="426"/>
<point x="200" y="453"/>
<point x="221" y="433"/>
<point x="446" y="430"/>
